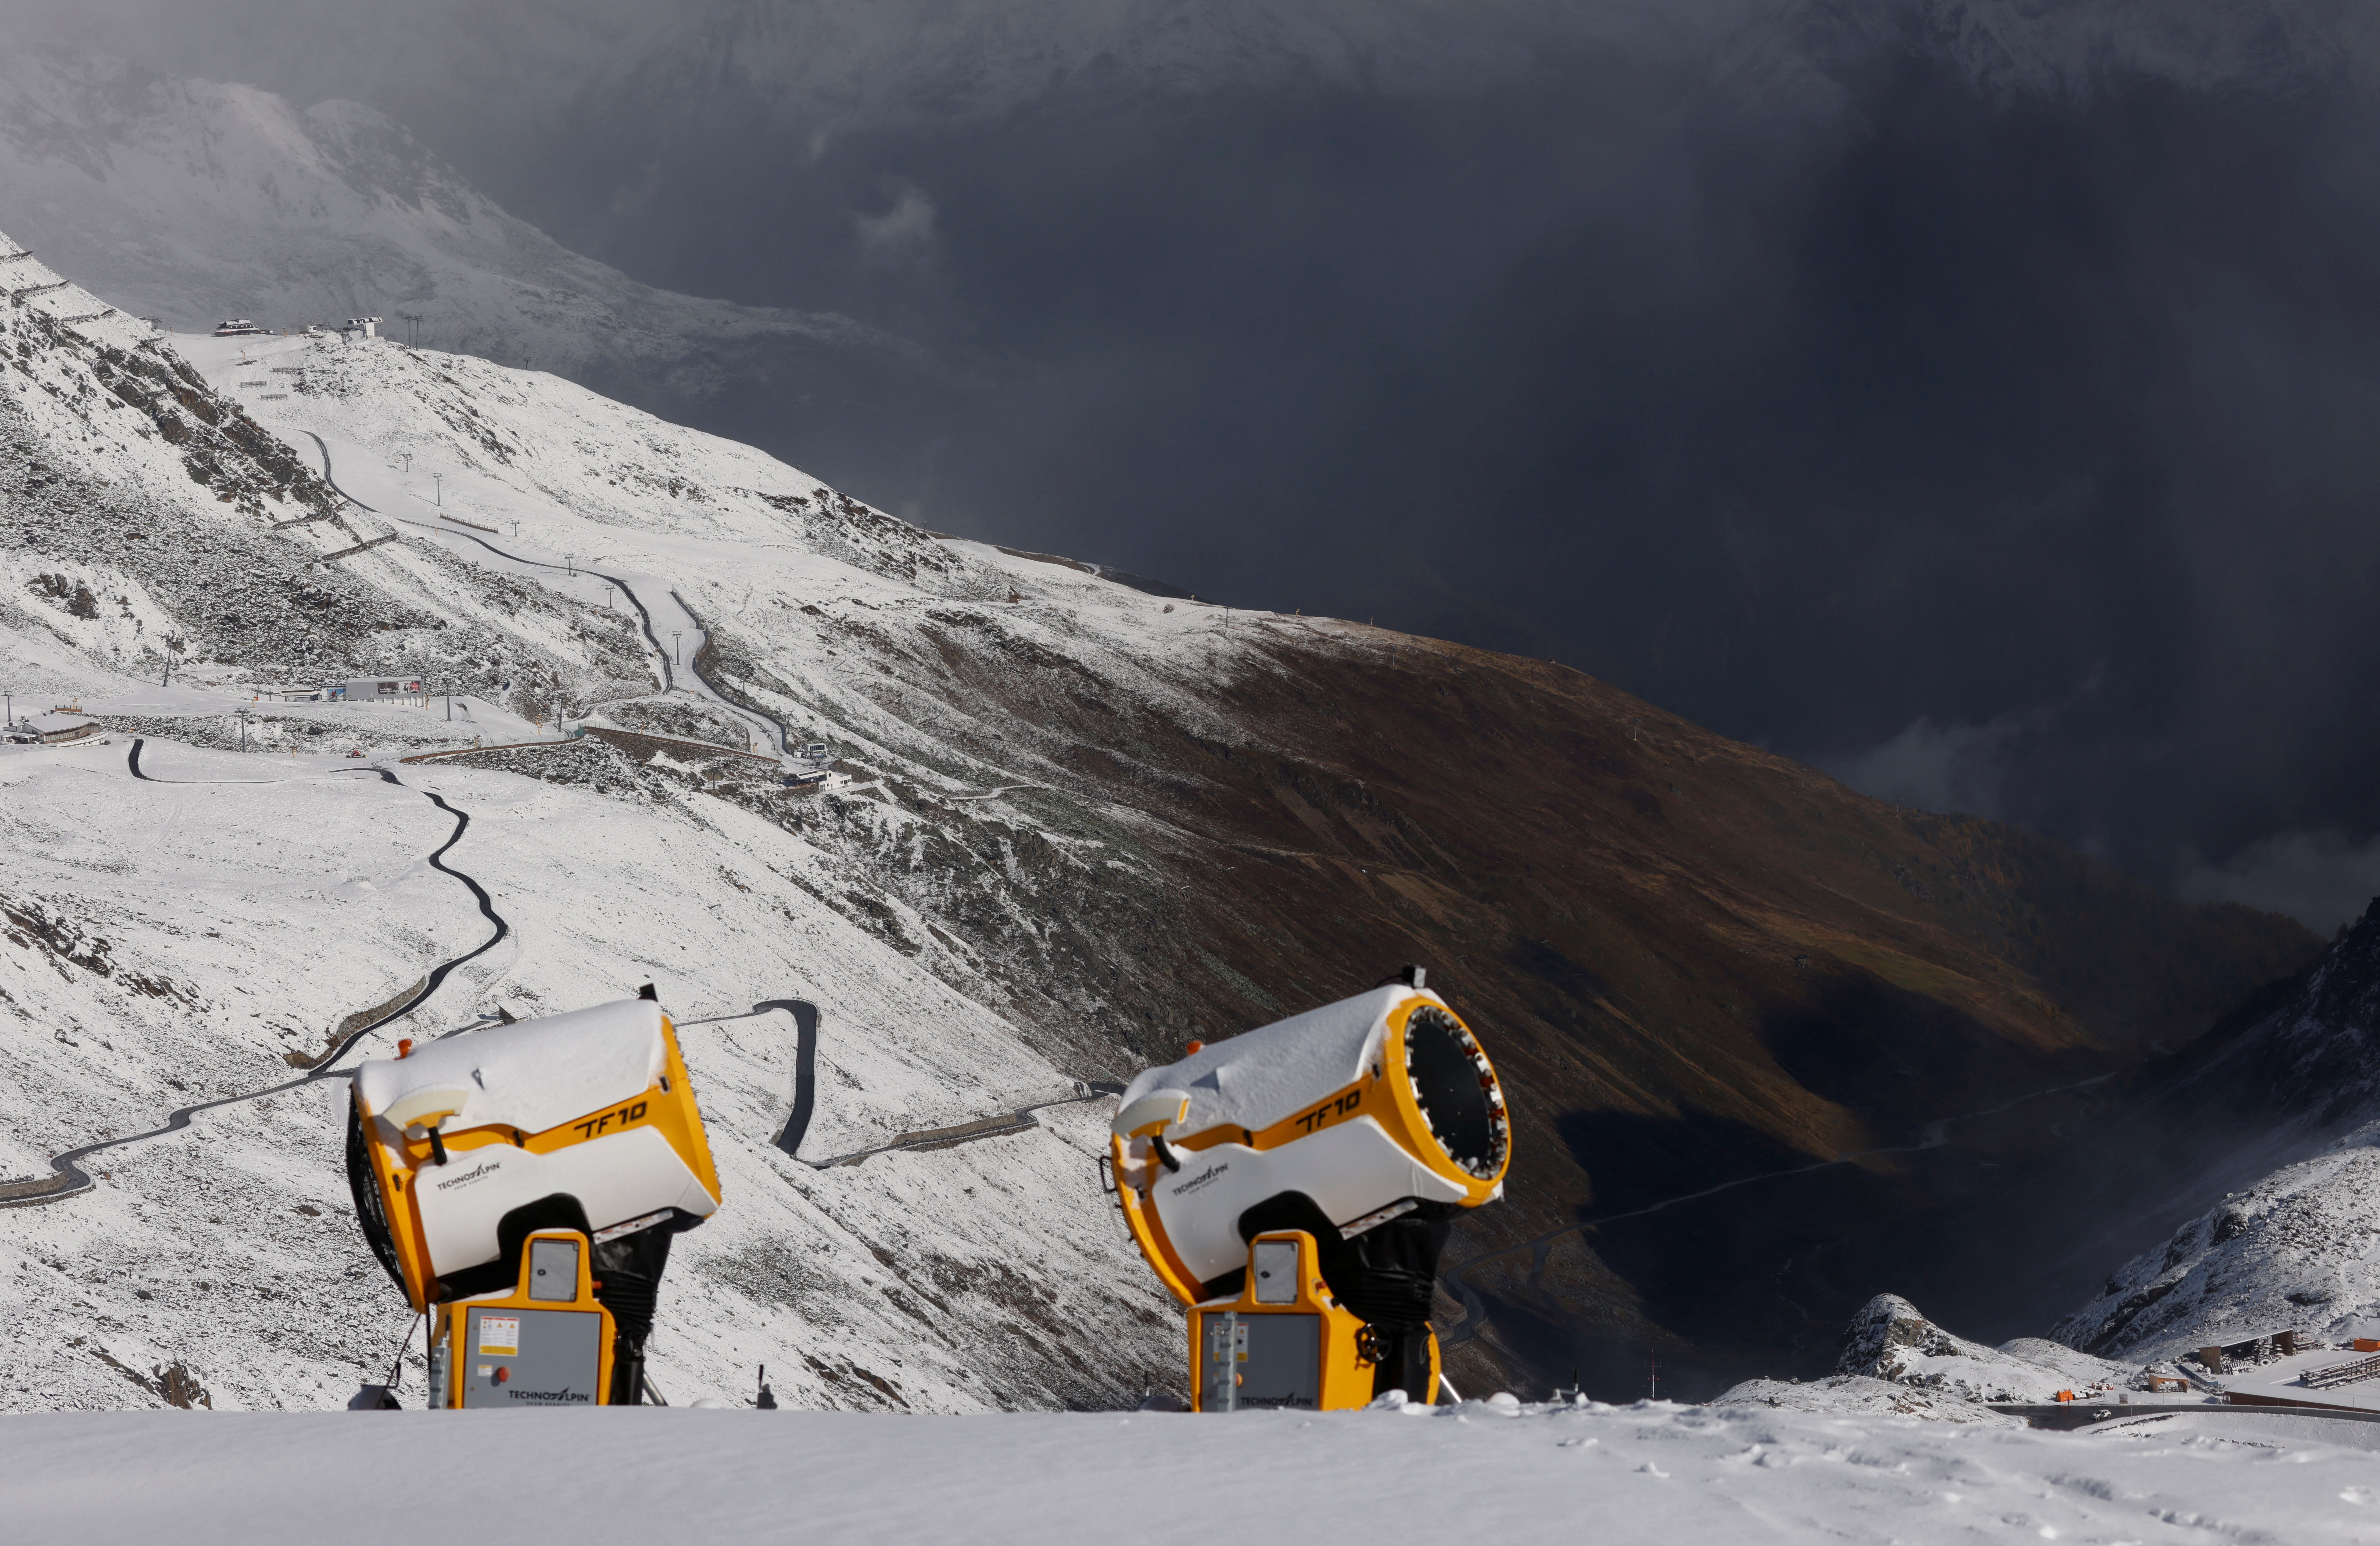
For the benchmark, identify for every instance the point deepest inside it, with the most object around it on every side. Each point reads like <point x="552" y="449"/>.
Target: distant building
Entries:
<point x="240" y="327"/>
<point x="377" y="689"/>
<point x="362" y="327"/>
<point x="55" y="729"/>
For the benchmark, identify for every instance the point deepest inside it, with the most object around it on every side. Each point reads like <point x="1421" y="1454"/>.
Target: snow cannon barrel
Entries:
<point x="522" y="1183"/>
<point x="1295" y="1186"/>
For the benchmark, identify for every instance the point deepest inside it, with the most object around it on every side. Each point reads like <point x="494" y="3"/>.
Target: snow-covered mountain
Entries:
<point x="193" y="201"/>
<point x="1890" y="1340"/>
<point x="1089" y="823"/>
<point x="197" y="928"/>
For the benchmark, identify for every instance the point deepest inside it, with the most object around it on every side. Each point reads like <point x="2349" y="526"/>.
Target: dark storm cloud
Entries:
<point x="1979" y="399"/>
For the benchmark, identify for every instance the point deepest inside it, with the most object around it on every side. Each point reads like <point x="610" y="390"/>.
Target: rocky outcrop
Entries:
<point x="2292" y="1253"/>
<point x="1895" y="1361"/>
<point x="1890" y="1340"/>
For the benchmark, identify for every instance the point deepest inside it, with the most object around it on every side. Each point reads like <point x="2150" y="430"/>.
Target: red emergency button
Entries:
<point x="503" y="1372"/>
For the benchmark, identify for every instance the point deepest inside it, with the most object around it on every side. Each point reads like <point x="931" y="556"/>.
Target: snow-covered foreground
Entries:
<point x="1665" y="1473"/>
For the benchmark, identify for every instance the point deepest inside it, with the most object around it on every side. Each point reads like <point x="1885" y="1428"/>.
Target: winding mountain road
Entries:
<point x="771" y="723"/>
<point x="68" y="1178"/>
<point x="1018" y="1121"/>
<point x="994" y="793"/>
<point x="798" y="1123"/>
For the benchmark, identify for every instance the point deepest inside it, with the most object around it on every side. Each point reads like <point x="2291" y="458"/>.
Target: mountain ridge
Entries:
<point x="192" y="200"/>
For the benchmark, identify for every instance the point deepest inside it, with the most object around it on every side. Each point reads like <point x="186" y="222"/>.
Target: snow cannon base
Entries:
<point x="1285" y="1342"/>
<point x="549" y="1343"/>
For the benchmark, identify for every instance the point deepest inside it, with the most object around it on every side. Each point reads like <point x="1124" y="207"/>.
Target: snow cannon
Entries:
<point x="521" y="1185"/>
<point x="1294" y="1188"/>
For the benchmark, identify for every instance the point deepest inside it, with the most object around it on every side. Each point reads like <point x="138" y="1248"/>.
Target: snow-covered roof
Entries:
<point x="536" y="1075"/>
<point x="1263" y="1075"/>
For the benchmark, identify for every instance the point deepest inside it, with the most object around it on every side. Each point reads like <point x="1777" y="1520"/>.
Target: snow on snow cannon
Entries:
<point x="1294" y="1185"/>
<point x="521" y="1185"/>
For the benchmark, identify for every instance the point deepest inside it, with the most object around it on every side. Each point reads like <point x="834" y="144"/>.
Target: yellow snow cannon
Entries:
<point x="521" y="1185"/>
<point x="1294" y="1188"/>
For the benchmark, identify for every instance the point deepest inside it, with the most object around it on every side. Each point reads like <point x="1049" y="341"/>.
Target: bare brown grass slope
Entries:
<point x="1696" y="962"/>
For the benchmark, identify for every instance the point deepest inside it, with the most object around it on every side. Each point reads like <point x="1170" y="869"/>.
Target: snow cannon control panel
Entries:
<point x="521" y="1185"/>
<point x="549" y="1343"/>
<point x="1294" y="1188"/>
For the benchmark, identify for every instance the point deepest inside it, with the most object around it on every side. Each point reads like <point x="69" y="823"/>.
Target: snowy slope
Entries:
<point x="152" y="520"/>
<point x="928" y="662"/>
<point x="1645" y="1474"/>
<point x="184" y="935"/>
<point x="28" y="280"/>
<point x="241" y="919"/>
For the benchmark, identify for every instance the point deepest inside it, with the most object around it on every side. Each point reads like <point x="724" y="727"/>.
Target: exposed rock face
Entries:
<point x="1895" y="1361"/>
<point x="2318" y="1058"/>
<point x="2292" y="1253"/>
<point x="1887" y="1336"/>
